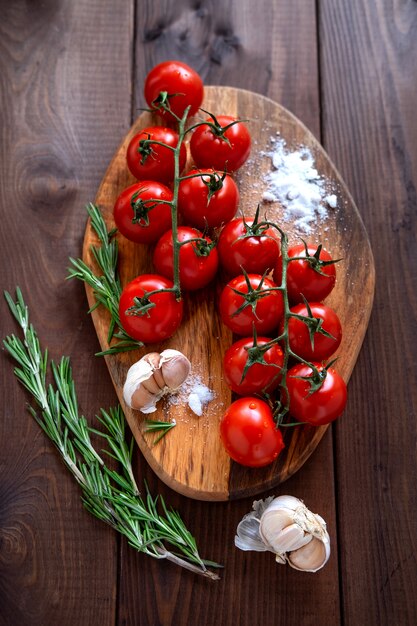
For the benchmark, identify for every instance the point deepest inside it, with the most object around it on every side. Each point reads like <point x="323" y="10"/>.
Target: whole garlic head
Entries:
<point x="286" y="527"/>
<point x="153" y="376"/>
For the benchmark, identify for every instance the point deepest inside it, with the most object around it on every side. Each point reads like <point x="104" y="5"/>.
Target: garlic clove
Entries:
<point x="291" y="538"/>
<point x="153" y="376"/>
<point x="144" y="400"/>
<point x="272" y="523"/>
<point x="289" y="529"/>
<point x="175" y="368"/>
<point x="311" y="557"/>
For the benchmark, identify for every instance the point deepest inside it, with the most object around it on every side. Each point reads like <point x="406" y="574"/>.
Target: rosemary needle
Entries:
<point x="156" y="426"/>
<point x="107" y="494"/>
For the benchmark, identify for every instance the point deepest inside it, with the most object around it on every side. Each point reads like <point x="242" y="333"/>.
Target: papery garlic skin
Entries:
<point x="286" y="527"/>
<point x="153" y="376"/>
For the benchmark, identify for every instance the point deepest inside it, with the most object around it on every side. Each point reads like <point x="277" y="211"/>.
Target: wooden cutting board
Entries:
<point x="191" y="458"/>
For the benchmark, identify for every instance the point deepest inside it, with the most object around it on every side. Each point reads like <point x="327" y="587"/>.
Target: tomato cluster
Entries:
<point x="283" y="369"/>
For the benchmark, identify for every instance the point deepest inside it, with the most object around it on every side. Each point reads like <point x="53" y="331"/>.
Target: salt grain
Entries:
<point x="194" y="393"/>
<point x="296" y="184"/>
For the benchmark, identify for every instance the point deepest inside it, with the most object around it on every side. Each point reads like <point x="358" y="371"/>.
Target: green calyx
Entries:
<point x="253" y="294"/>
<point x="256" y="354"/>
<point x="314" y="260"/>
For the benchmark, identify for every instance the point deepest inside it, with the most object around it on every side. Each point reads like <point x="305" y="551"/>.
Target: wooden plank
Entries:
<point x="249" y="45"/>
<point x="370" y="129"/>
<point x="65" y="85"/>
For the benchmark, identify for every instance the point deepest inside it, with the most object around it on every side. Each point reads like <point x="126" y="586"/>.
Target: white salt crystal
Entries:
<point x="295" y="182"/>
<point x="195" y="404"/>
<point x="331" y="200"/>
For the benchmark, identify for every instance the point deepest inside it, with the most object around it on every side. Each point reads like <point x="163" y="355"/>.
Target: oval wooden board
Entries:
<point x="191" y="458"/>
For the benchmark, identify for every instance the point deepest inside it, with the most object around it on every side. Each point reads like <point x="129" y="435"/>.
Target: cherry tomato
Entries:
<point x="239" y="249"/>
<point x="260" y="376"/>
<point x="264" y="313"/>
<point x="158" y="322"/>
<point x="181" y="84"/>
<point x="321" y="406"/>
<point x="212" y="146"/>
<point x="208" y="201"/>
<point x="249" y="433"/>
<point x="140" y="219"/>
<point x="198" y="260"/>
<point x="151" y="161"/>
<point x="299" y="336"/>
<point x="307" y="278"/>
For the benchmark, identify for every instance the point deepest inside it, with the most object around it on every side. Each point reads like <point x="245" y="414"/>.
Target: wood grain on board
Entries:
<point x="192" y="459"/>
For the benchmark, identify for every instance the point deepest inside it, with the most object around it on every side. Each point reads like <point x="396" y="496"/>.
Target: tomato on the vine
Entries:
<point x="240" y="246"/>
<point x="222" y="143"/>
<point x="176" y="85"/>
<point x="320" y="406"/>
<point x="162" y="314"/>
<point x="261" y="368"/>
<point x="312" y="277"/>
<point x="249" y="433"/>
<point x="209" y="200"/>
<point x="198" y="260"/>
<point x="142" y="211"/>
<point x="151" y="161"/>
<point x="327" y="323"/>
<point x="256" y="306"/>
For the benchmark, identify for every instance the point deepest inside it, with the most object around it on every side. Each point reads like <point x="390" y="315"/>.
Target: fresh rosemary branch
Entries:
<point x="106" y="288"/>
<point x="153" y="426"/>
<point x="108" y="495"/>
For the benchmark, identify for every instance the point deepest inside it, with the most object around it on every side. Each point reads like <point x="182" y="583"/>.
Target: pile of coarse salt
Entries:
<point x="194" y="393"/>
<point x="296" y="184"/>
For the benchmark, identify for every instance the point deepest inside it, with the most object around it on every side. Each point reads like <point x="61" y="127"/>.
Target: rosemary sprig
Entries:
<point x="107" y="287"/>
<point x="112" y="497"/>
<point x="154" y="426"/>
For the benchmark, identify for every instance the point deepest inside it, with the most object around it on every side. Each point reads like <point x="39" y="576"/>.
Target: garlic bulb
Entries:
<point x="152" y="377"/>
<point x="286" y="527"/>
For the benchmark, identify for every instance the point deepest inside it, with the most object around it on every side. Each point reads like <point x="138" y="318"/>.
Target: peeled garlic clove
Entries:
<point x="175" y="368"/>
<point x="310" y="557"/>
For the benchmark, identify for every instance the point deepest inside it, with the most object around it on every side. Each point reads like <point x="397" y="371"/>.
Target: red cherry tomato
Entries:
<point x="321" y="406"/>
<point x="208" y="201"/>
<point x="249" y="433"/>
<point x="198" y="260"/>
<point x="150" y="161"/>
<point x="212" y="146"/>
<point x="138" y="217"/>
<point x="239" y="249"/>
<point x="260" y="376"/>
<point x="159" y="322"/>
<point x="299" y="336"/>
<point x="265" y="314"/>
<point x="307" y="278"/>
<point x="180" y="82"/>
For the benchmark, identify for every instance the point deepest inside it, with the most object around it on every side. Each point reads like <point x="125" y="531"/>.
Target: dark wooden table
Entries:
<point x="71" y="75"/>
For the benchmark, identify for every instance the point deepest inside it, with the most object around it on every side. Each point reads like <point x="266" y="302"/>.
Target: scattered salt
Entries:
<point x="194" y="393"/>
<point x="331" y="200"/>
<point x="296" y="184"/>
